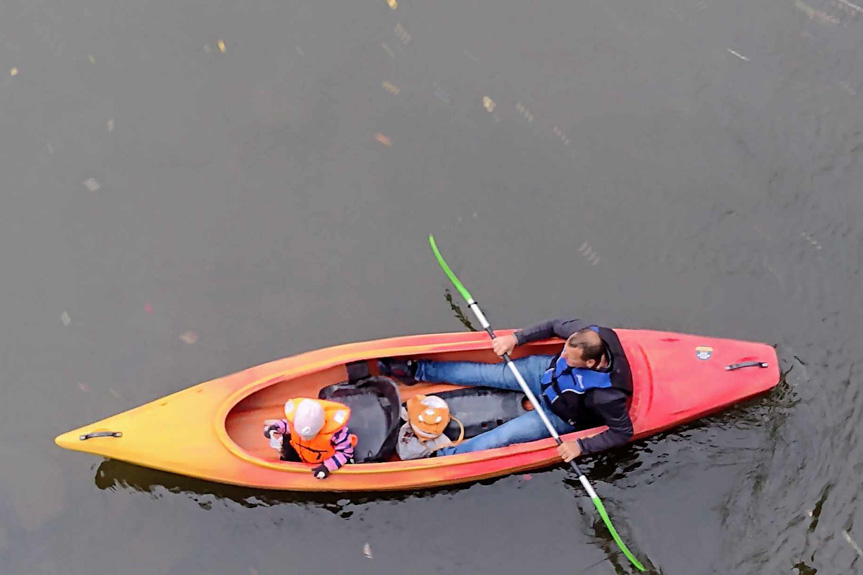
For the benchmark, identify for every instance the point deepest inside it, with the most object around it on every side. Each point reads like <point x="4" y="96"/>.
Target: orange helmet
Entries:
<point x="428" y="415"/>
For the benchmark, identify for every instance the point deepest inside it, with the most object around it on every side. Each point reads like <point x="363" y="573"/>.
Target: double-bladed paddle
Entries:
<point x="536" y="405"/>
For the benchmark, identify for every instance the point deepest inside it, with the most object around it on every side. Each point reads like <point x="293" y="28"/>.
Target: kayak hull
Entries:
<point x="213" y="431"/>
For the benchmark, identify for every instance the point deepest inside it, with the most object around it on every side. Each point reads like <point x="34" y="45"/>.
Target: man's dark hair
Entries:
<point x="589" y="342"/>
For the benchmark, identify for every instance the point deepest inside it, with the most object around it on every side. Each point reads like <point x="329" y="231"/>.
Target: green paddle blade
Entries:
<point x="601" y="508"/>
<point x="455" y="281"/>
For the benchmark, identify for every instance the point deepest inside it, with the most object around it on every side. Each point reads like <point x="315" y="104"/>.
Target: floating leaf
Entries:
<point x="65" y="318"/>
<point x="147" y="308"/>
<point x="367" y="551"/>
<point x="391" y="88"/>
<point x="189" y="337"/>
<point x="383" y="139"/>
<point x="91" y="58"/>
<point x="83" y="387"/>
<point x="221" y="45"/>
<point x="114" y="393"/>
<point x="111" y="125"/>
<point x="93" y="185"/>
<point x="527" y="476"/>
<point x="488" y="103"/>
<point x="393" y="4"/>
<point x="13" y="72"/>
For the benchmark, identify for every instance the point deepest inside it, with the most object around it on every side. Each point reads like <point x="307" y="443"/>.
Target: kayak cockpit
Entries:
<point x="375" y="415"/>
<point x="375" y="408"/>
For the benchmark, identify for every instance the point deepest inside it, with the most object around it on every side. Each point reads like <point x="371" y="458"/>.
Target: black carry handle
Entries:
<point x="100" y="434"/>
<point x="734" y="366"/>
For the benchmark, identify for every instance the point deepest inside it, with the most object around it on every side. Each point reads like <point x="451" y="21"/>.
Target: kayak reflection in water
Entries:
<point x="586" y="385"/>
<point x="313" y="431"/>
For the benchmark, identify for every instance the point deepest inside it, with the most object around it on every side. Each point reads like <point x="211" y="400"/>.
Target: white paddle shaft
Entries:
<point x="521" y="382"/>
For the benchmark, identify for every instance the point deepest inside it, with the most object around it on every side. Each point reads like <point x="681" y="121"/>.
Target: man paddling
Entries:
<point x="586" y="385"/>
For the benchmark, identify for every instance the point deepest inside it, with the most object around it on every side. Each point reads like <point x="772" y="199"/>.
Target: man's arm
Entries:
<point x="561" y="327"/>
<point x="611" y="407"/>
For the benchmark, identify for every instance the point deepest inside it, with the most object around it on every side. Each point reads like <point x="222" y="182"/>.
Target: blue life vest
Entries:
<point x="563" y="388"/>
<point x="561" y="378"/>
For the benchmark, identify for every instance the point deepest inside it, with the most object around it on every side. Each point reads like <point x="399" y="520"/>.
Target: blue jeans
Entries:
<point x="522" y="429"/>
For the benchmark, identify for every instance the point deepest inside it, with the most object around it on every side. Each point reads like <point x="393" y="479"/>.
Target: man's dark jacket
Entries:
<point x="605" y="406"/>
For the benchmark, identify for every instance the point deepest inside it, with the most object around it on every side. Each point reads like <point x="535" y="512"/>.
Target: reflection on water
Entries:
<point x="112" y="474"/>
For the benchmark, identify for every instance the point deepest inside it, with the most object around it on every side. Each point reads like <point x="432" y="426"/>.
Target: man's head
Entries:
<point x="583" y="349"/>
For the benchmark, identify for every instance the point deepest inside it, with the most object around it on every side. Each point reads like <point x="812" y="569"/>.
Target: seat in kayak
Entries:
<point x="375" y="420"/>
<point x="481" y="409"/>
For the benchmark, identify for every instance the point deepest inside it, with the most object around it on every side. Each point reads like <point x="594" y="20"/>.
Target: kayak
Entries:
<point x="213" y="431"/>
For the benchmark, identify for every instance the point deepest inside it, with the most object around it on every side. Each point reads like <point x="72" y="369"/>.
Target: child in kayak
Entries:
<point x="423" y="433"/>
<point x="316" y="431"/>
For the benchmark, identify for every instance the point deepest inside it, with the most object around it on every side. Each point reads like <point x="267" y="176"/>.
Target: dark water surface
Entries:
<point x="685" y="165"/>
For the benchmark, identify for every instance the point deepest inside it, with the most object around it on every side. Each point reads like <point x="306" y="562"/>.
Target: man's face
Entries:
<point x="572" y="356"/>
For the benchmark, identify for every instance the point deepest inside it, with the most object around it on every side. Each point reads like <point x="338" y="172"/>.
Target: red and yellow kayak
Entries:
<point x="213" y="430"/>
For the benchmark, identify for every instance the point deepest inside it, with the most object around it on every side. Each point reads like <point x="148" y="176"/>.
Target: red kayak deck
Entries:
<point x="213" y="430"/>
